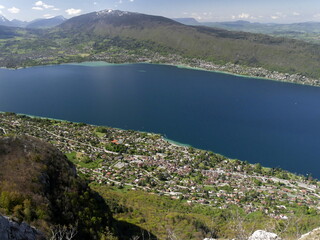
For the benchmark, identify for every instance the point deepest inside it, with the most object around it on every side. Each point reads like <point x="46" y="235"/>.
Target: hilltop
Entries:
<point x="36" y="24"/>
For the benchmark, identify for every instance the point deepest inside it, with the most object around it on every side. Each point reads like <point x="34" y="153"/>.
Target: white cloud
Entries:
<point x="316" y="15"/>
<point x="244" y="16"/>
<point x="0" y="12"/>
<point x="296" y="14"/>
<point x="2" y="7"/>
<point x="72" y="11"/>
<point x="43" y="5"/>
<point x="48" y="16"/>
<point x="14" y="10"/>
<point x="278" y="15"/>
<point x="131" y="0"/>
<point x="37" y="8"/>
<point x="56" y="9"/>
<point x="48" y="6"/>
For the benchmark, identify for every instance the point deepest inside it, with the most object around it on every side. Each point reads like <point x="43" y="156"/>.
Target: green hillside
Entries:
<point x="117" y="36"/>
<point x="39" y="185"/>
<point x="211" y="44"/>
<point x="306" y="31"/>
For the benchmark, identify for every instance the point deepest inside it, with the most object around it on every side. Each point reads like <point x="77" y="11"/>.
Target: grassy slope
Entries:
<point x="165" y="217"/>
<point x="81" y="35"/>
<point x="215" y="45"/>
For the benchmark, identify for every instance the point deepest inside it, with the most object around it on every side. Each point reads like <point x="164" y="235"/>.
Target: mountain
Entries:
<point x="210" y="44"/>
<point x="40" y="186"/>
<point x="92" y="36"/>
<point x="187" y="21"/>
<point x="46" y="23"/>
<point x="307" y="31"/>
<point x="4" y="21"/>
<point x="232" y="24"/>
<point x="267" y="28"/>
<point x="18" y="23"/>
<point x="38" y="23"/>
<point x="13" y="23"/>
<point x="104" y="20"/>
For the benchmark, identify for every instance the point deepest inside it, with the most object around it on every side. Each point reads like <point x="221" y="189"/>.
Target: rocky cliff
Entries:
<point x="313" y="235"/>
<point x="11" y="230"/>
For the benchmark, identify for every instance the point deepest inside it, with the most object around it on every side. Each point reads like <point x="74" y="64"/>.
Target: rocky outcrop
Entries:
<point x="313" y="235"/>
<point x="10" y="230"/>
<point x="263" y="235"/>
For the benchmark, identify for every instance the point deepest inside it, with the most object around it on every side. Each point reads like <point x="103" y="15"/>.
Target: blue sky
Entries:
<point x="281" y="11"/>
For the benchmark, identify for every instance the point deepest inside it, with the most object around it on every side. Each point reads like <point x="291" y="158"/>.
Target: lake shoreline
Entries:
<point x="196" y="64"/>
<point x="277" y="77"/>
<point x="170" y="141"/>
<point x="218" y="103"/>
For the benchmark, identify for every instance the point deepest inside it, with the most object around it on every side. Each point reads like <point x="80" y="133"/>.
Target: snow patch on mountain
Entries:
<point x="113" y="12"/>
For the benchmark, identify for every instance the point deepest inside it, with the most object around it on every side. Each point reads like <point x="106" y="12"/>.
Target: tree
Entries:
<point x="59" y="232"/>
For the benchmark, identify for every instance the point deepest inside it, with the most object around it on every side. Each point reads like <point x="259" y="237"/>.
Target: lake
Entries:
<point x="273" y="123"/>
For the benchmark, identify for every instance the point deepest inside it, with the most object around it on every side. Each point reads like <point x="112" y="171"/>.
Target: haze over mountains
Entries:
<point x="239" y="25"/>
<point x="306" y="31"/>
<point x="37" y="23"/>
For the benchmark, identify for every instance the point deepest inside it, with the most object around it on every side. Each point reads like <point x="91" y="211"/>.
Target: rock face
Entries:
<point x="263" y="235"/>
<point x="10" y="230"/>
<point x="313" y="235"/>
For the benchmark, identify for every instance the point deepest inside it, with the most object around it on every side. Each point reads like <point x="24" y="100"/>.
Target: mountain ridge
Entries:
<point x="95" y="35"/>
<point x="36" y="23"/>
<point x="46" y="22"/>
<point x="202" y="42"/>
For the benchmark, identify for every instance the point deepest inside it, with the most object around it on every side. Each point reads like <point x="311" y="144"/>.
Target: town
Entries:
<point x="118" y="54"/>
<point x="149" y="162"/>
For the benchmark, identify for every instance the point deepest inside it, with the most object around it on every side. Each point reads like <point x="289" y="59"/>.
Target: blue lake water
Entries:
<point x="276" y="124"/>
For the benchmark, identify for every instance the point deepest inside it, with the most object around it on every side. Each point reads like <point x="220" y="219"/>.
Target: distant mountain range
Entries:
<point x="306" y="31"/>
<point x="211" y="44"/>
<point x="187" y="21"/>
<point x="37" y="23"/>
<point x="267" y="28"/>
